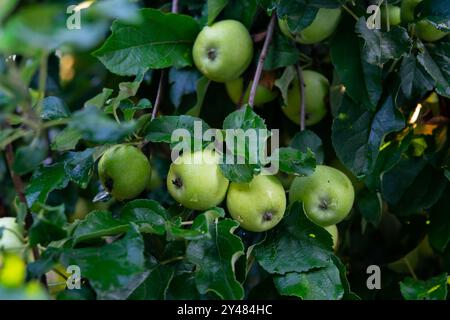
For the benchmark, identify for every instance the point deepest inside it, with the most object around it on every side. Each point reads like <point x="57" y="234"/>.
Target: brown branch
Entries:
<point x="174" y="6"/>
<point x="301" y="84"/>
<point x="158" y="94"/>
<point x="258" y="37"/>
<point x="262" y="57"/>
<point x="20" y="190"/>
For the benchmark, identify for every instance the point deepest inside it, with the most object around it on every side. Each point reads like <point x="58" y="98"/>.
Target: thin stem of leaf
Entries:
<point x="350" y="12"/>
<point x="158" y="94"/>
<point x="262" y="57"/>
<point x="172" y="260"/>
<point x="42" y="78"/>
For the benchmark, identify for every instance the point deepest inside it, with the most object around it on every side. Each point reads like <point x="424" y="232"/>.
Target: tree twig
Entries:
<point x="301" y="84"/>
<point x="350" y="12"/>
<point x="262" y="57"/>
<point x="158" y="94"/>
<point x="174" y="6"/>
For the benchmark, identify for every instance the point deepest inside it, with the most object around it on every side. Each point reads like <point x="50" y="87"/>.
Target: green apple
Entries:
<point x="323" y="25"/>
<point x="333" y="231"/>
<point x="426" y="31"/>
<point x="11" y="238"/>
<point x="124" y="171"/>
<point x="358" y="185"/>
<point x="12" y="271"/>
<point x="327" y="195"/>
<point x="316" y="90"/>
<point x="407" y="9"/>
<point x="196" y="181"/>
<point x="394" y="14"/>
<point x="236" y="87"/>
<point x="258" y="205"/>
<point x="223" y="50"/>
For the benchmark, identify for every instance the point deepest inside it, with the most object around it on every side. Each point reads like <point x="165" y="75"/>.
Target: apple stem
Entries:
<point x="302" y="97"/>
<point x="262" y="57"/>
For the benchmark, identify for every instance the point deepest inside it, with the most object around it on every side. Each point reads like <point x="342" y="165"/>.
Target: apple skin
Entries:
<point x="333" y="231"/>
<point x="407" y="9"/>
<point x="12" y="271"/>
<point x="426" y="31"/>
<point x="394" y="14"/>
<point x="323" y="25"/>
<point x="258" y="205"/>
<point x="124" y="171"/>
<point x="223" y="50"/>
<point x="316" y="90"/>
<point x="11" y="239"/>
<point x="327" y="195"/>
<point x="196" y="181"/>
<point x="263" y="94"/>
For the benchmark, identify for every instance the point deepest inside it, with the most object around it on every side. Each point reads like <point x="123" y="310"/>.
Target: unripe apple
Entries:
<point x="316" y="90"/>
<point x="12" y="271"/>
<point x="11" y="239"/>
<point x="333" y="231"/>
<point x="323" y="25"/>
<point x="327" y="195"/>
<point x="426" y="31"/>
<point x="223" y="50"/>
<point x="196" y="181"/>
<point x="263" y="94"/>
<point x="394" y="14"/>
<point x="124" y="171"/>
<point x="258" y="205"/>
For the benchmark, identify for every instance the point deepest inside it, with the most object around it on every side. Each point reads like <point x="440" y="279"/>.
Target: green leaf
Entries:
<point x="282" y="53"/>
<point x="112" y="267"/>
<point x="100" y="99"/>
<point x="155" y="285"/>
<point x="238" y="172"/>
<point x="54" y="108"/>
<point x="241" y="10"/>
<point x="362" y="84"/>
<point x="435" y="11"/>
<point x="381" y="47"/>
<point x="44" y="180"/>
<point x="436" y="61"/>
<point x="27" y="158"/>
<point x="307" y="139"/>
<point x="370" y="206"/>
<point x="296" y="245"/>
<point x="162" y="128"/>
<point x="199" y="228"/>
<point x="214" y="9"/>
<point x="148" y="215"/>
<point x="412" y="186"/>
<point x="215" y="258"/>
<point x="95" y="126"/>
<point x="65" y="140"/>
<point x="160" y="40"/>
<point x="358" y="134"/>
<point x="98" y="224"/>
<point x="431" y="289"/>
<point x="48" y="226"/>
<point x="298" y="14"/>
<point x="414" y="80"/>
<point x="79" y="166"/>
<point x="201" y="87"/>
<point x="182" y="82"/>
<point x="439" y="232"/>
<point x="182" y="287"/>
<point x="317" y="284"/>
<point x="293" y="161"/>
<point x="244" y="118"/>
<point x="289" y="74"/>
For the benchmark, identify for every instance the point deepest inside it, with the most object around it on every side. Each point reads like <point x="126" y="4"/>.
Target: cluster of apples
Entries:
<point x="195" y="180"/>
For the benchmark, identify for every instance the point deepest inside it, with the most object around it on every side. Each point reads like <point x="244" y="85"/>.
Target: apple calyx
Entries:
<point x="267" y="216"/>
<point x="177" y="182"/>
<point x="212" y="54"/>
